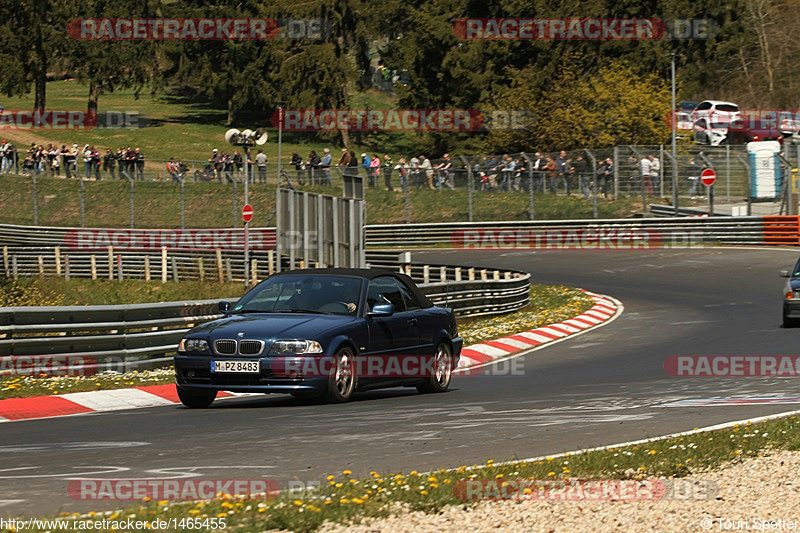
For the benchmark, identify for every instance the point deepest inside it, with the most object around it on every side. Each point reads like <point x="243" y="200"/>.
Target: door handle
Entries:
<point x="412" y="322"/>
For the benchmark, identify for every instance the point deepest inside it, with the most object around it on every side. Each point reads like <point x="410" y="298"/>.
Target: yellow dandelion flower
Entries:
<point x="551" y="474"/>
<point x="424" y="492"/>
<point x="330" y="477"/>
<point x="328" y="502"/>
<point x="346" y="472"/>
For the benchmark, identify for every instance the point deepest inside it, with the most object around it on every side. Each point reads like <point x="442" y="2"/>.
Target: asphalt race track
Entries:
<point x="601" y="387"/>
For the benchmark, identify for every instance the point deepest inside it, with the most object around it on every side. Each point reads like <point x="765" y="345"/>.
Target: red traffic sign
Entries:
<point x="708" y="177"/>
<point x="247" y="213"/>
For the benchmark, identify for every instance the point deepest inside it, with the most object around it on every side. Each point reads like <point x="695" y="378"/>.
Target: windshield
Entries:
<point x="338" y="295"/>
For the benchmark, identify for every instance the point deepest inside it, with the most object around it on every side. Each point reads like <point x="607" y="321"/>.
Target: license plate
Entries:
<point x="237" y="367"/>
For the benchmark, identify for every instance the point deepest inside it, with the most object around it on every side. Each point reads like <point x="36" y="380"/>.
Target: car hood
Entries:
<point x="266" y="326"/>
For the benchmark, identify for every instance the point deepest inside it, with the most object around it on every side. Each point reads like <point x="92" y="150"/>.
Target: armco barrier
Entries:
<point x="712" y="230"/>
<point x="132" y="336"/>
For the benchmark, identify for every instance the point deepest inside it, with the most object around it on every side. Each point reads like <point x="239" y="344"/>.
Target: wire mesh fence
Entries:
<point x="184" y="189"/>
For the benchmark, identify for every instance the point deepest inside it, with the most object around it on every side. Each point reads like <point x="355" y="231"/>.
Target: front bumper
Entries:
<point x="791" y="307"/>
<point x="194" y="371"/>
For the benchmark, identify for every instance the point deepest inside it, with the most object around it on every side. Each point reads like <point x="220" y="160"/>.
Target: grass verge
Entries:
<point x="347" y="498"/>
<point x="549" y="304"/>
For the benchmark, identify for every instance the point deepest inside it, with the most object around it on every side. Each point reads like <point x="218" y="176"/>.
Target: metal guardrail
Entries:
<point x="112" y="337"/>
<point x="123" y="337"/>
<point x="722" y="230"/>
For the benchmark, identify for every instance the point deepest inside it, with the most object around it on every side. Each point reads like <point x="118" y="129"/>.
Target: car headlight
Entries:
<point x="193" y="345"/>
<point x="292" y="347"/>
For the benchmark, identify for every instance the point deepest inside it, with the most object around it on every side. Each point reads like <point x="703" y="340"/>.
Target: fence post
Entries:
<point x="56" y="253"/>
<point x="93" y="266"/>
<point x="220" y="272"/>
<point x="5" y="261"/>
<point x="111" y="263"/>
<point x="163" y="264"/>
<point x="531" y="215"/>
<point x="40" y="260"/>
<point x="147" y="276"/>
<point x="35" y="204"/>
<point x="728" y="173"/>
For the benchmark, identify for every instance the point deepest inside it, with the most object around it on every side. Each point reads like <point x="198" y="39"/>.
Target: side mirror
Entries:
<point x="224" y="308"/>
<point x="381" y="310"/>
<point x="785" y="273"/>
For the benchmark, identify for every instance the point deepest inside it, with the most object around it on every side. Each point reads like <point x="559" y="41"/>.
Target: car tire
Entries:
<point x="443" y="370"/>
<point x="790" y="322"/>
<point x="196" y="398"/>
<point x="343" y="380"/>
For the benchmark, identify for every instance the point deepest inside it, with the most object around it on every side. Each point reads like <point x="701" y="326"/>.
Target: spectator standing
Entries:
<point x="96" y="158"/>
<point x="655" y="167"/>
<point x="87" y="161"/>
<point x="261" y="163"/>
<point x="646" y="167"/>
<point x="445" y="168"/>
<point x="238" y="163"/>
<point x="3" y="159"/>
<point x="353" y="164"/>
<point x="402" y="171"/>
<point x="551" y="170"/>
<point x="138" y="158"/>
<point x="425" y="166"/>
<point x="387" y="171"/>
<point x="561" y="169"/>
<point x="325" y="166"/>
<point x="312" y="167"/>
<point x="415" y="173"/>
<point x="375" y="167"/>
<point x="365" y="164"/>
<point x="297" y="163"/>
<point x="581" y="167"/>
<point x="344" y="162"/>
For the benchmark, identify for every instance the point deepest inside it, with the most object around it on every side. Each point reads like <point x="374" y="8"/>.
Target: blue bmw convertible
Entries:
<point x="321" y="334"/>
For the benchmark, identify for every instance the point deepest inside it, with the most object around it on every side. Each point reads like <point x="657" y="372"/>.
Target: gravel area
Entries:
<point x="745" y="494"/>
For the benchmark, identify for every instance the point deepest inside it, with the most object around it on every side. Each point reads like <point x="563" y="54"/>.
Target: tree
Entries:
<point x="31" y="37"/>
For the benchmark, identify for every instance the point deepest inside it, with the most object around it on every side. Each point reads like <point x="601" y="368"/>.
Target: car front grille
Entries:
<point x="245" y="347"/>
<point x="251" y="347"/>
<point x="225" y="347"/>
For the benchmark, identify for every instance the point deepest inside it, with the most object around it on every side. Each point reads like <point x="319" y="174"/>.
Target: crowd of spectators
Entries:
<point x="75" y="162"/>
<point x="544" y="172"/>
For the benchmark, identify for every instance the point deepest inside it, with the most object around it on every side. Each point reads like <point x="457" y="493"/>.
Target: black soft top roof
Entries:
<point x="367" y="273"/>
